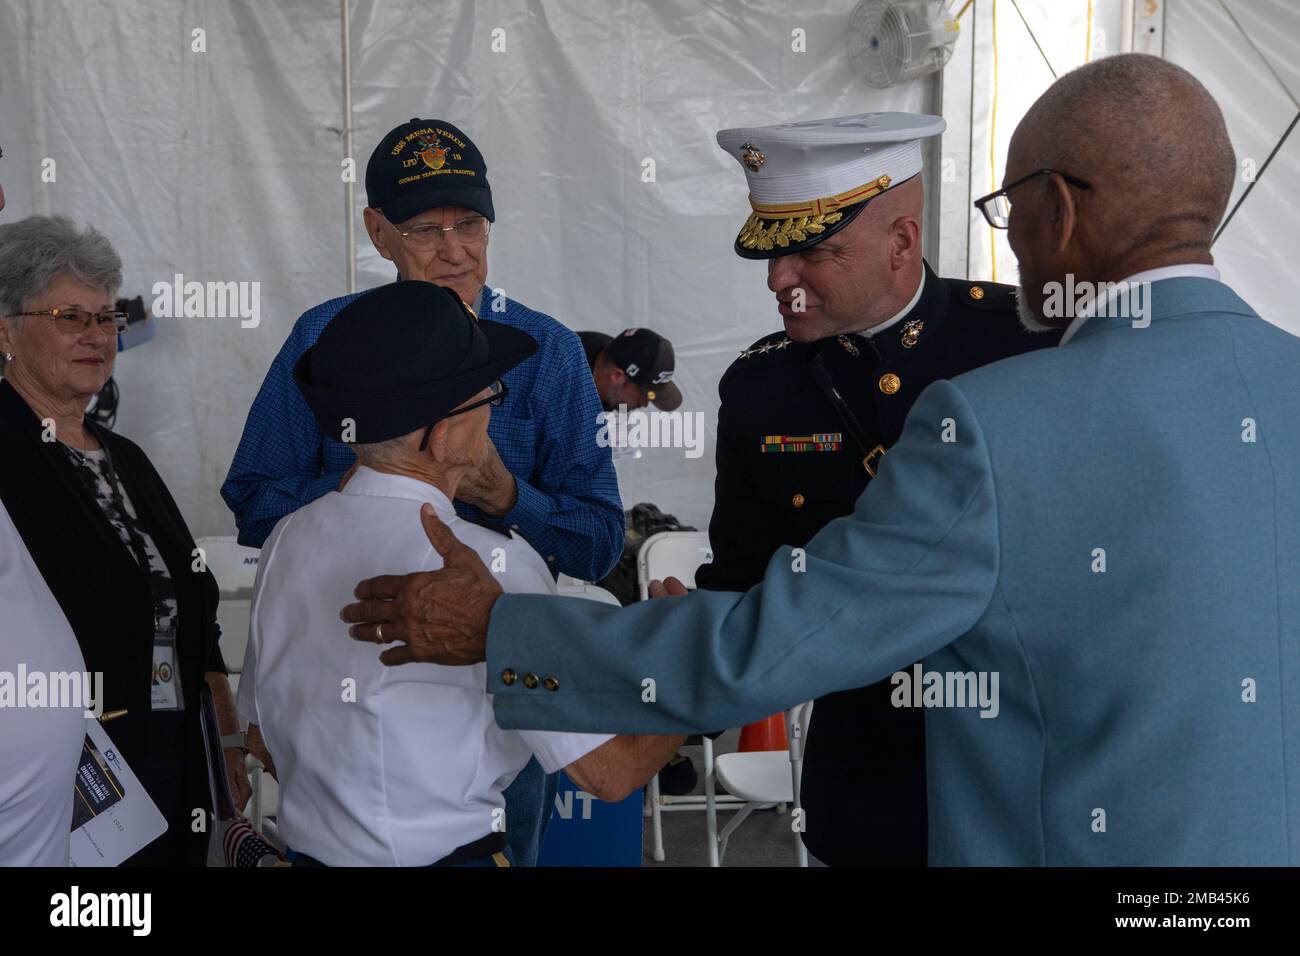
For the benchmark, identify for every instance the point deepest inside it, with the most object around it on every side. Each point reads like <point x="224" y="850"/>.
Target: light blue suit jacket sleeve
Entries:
<point x="911" y="570"/>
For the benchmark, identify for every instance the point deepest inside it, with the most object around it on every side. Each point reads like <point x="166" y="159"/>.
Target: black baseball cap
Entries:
<point x="423" y="164"/>
<point x="646" y="358"/>
<point x="400" y="357"/>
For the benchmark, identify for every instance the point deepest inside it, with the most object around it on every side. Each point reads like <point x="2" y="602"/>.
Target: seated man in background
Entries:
<point x="632" y="368"/>
<point x="379" y="766"/>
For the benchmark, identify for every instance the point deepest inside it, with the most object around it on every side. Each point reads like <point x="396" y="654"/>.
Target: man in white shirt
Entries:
<point x="400" y="766"/>
<point x="39" y="746"/>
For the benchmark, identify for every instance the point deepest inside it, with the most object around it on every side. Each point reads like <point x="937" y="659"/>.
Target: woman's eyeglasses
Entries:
<point x="499" y="393"/>
<point x="76" y="321"/>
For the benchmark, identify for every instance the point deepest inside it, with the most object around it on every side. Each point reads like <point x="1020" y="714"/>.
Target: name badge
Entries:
<point x="166" y="688"/>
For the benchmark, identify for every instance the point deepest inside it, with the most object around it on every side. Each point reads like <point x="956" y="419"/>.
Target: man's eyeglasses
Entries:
<point x="76" y="321"/>
<point x="429" y="235"/>
<point x="996" y="207"/>
<point x="499" y="393"/>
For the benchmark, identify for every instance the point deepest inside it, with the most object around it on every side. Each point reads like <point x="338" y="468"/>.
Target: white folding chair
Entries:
<point x="671" y="554"/>
<point x="761" y="779"/>
<point x="235" y="568"/>
<point x="233" y="565"/>
<point x="675" y="554"/>
<point x="589" y="591"/>
<point x="233" y="614"/>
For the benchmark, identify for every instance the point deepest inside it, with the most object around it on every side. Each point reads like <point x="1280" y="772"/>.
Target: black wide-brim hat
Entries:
<point x="399" y="358"/>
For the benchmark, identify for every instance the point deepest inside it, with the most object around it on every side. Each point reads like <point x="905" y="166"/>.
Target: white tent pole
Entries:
<point x="1149" y="28"/>
<point x="932" y="177"/>
<point x="349" y="187"/>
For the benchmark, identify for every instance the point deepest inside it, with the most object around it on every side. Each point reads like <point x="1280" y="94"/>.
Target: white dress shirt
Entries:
<point x="379" y="765"/>
<point x="39" y="747"/>
<point x="1195" y="269"/>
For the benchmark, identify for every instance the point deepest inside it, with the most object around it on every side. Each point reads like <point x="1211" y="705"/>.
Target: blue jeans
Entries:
<point x="530" y="801"/>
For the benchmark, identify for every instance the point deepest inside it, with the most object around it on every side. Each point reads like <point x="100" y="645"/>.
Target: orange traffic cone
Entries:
<point x="766" y="734"/>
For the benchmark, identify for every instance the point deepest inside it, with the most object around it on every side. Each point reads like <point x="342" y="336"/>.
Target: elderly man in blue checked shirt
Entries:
<point x="543" y="474"/>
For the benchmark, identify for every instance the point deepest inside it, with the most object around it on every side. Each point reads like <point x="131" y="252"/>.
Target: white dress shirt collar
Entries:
<point x="382" y="484"/>
<point x="900" y="314"/>
<point x="1190" y="269"/>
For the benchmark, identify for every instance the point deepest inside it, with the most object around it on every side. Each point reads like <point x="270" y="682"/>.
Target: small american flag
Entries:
<point x="244" y="846"/>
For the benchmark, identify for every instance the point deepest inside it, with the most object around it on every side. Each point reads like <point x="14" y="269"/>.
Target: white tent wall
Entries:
<point x="225" y="166"/>
<point x="1252" y="67"/>
<point x="221" y="166"/>
<point x="1254" y="73"/>
<point x="985" y="98"/>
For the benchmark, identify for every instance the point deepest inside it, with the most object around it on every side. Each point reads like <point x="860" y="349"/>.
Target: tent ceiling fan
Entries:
<point x="893" y="42"/>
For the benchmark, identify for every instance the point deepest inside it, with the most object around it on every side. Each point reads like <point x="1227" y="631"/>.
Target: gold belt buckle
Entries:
<point x="875" y="453"/>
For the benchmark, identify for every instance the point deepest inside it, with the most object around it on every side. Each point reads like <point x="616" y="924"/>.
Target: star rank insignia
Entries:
<point x="765" y="348"/>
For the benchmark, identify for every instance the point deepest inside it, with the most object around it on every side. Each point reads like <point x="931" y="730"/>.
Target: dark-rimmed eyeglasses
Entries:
<point x="429" y="235"/>
<point x="499" y="393"/>
<point x="76" y="321"/>
<point x="996" y="206"/>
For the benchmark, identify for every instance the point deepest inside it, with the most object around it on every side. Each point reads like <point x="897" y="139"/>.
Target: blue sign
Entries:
<point x="585" y="831"/>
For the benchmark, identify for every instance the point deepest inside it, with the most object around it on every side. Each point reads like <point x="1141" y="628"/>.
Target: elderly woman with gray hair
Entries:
<point x="102" y="528"/>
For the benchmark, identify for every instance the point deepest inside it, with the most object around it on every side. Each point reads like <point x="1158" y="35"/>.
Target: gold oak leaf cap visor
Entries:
<point x="808" y="180"/>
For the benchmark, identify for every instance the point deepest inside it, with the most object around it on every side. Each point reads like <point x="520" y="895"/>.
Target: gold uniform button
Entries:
<point x="507" y="677"/>
<point x="890" y="383"/>
<point x="797" y="500"/>
<point x="550" y="683"/>
<point x="530" y="681"/>
<point x="977" y="292"/>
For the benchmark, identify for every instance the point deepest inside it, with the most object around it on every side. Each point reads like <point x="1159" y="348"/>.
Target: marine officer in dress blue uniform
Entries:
<point x="807" y="413"/>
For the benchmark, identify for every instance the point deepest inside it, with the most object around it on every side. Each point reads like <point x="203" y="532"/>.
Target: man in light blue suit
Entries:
<point x="1111" y="528"/>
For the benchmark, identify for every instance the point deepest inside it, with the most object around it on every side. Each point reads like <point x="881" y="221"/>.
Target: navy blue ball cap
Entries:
<point x="423" y="164"/>
<point x="400" y="357"/>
